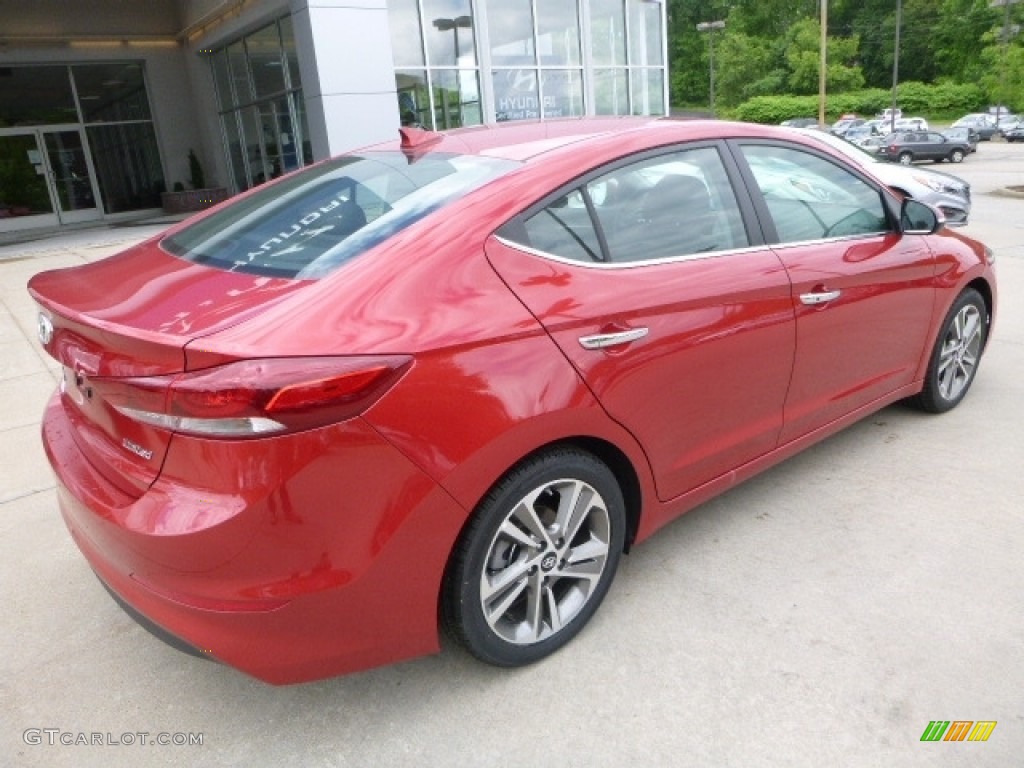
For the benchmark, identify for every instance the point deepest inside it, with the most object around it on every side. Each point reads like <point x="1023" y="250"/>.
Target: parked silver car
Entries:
<point x="949" y="193"/>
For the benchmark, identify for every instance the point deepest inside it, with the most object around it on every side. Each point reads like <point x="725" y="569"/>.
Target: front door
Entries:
<point x="863" y="292"/>
<point x="69" y="172"/>
<point x="46" y="178"/>
<point x="25" y="199"/>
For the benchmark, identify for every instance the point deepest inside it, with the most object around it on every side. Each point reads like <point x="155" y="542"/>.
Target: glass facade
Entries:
<point x="263" y="119"/>
<point x="87" y="128"/>
<point x="437" y="74"/>
<point x="119" y="126"/>
<point x="531" y="59"/>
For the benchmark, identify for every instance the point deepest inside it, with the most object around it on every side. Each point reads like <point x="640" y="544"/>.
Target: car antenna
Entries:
<point x="416" y="141"/>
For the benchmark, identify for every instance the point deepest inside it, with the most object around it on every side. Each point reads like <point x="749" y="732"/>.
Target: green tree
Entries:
<point x="747" y="66"/>
<point x="803" y="56"/>
<point x="958" y="38"/>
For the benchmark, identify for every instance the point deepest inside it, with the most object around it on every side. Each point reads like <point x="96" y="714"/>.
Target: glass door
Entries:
<point x="70" y="174"/>
<point x="25" y="199"/>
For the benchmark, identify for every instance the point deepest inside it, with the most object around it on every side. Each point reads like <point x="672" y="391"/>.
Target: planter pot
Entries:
<point x="191" y="200"/>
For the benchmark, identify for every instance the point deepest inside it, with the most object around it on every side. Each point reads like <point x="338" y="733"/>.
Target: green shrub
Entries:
<point x="912" y="97"/>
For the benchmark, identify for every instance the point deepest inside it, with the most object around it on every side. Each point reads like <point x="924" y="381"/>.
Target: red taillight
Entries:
<point x="257" y="397"/>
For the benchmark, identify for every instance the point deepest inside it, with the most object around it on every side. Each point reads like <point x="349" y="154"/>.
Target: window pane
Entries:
<point x="456" y="98"/>
<point x="35" y="96"/>
<point x="515" y="94"/>
<point x="608" y="32"/>
<point x="253" y="144"/>
<point x="222" y="79"/>
<point x="810" y="198"/>
<point x="22" y="189"/>
<point x="291" y="57"/>
<point x="510" y="25"/>
<point x="648" y="93"/>
<point x="671" y="205"/>
<point x="266" y="61"/>
<point x="111" y="92"/>
<point x="559" y="32"/>
<point x="449" y="33"/>
<point x="127" y="166"/>
<point x="611" y="92"/>
<point x="236" y="156"/>
<point x="645" y="33"/>
<point x="413" y="98"/>
<point x="565" y="229"/>
<point x="239" y="73"/>
<point x="300" y="112"/>
<point x="406" y="41"/>
<point x="563" y="92"/>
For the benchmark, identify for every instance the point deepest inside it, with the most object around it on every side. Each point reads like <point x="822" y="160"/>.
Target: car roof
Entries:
<point x="528" y="141"/>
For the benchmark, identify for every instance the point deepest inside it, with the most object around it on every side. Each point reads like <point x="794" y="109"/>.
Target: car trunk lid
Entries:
<point x="127" y="318"/>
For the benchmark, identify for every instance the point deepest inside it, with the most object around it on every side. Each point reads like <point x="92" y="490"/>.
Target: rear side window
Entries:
<point x="312" y="222"/>
<point x="674" y="204"/>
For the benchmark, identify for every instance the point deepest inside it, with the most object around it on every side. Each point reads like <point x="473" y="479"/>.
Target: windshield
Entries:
<point x="312" y="222"/>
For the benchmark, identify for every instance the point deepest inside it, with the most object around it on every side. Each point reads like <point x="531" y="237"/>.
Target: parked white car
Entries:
<point x="949" y="193"/>
<point x="912" y="124"/>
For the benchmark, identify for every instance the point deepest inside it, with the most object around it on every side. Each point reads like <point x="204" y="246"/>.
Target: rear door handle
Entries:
<point x="819" y="297"/>
<point x="605" y="340"/>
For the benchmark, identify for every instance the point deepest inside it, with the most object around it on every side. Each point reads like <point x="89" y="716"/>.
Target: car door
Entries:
<point x="938" y="146"/>
<point x="646" y="277"/>
<point x="863" y="292"/>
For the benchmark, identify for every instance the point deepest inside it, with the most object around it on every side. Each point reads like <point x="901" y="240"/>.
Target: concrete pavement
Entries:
<point x="821" y="614"/>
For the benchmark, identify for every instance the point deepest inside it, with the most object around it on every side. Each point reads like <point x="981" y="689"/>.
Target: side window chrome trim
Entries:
<point x="829" y="240"/>
<point x="632" y="264"/>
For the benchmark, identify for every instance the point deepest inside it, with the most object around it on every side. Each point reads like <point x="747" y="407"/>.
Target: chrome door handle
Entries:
<point x="819" y="298"/>
<point x="605" y="340"/>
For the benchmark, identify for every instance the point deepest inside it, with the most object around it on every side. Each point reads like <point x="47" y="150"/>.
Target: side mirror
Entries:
<point x="916" y="218"/>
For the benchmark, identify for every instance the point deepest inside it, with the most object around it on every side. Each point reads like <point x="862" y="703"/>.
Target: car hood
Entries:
<point x="898" y="175"/>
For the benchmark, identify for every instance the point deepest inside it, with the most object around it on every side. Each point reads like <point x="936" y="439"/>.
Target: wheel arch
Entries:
<point x="605" y="451"/>
<point x="981" y="285"/>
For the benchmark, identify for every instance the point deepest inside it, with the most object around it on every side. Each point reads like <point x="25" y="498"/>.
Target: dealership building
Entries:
<point x="107" y="104"/>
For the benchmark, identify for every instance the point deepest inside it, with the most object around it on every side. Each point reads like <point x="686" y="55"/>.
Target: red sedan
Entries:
<point x="449" y="380"/>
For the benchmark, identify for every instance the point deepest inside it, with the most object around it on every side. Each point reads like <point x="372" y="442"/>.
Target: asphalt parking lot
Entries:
<point x="822" y="614"/>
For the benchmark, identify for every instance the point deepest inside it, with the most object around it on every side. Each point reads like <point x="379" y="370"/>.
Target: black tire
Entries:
<point x="539" y="586"/>
<point x="956" y="355"/>
<point x="956" y="156"/>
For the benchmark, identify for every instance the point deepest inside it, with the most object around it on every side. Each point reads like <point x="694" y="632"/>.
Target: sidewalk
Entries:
<point x="27" y="375"/>
<point x="27" y="243"/>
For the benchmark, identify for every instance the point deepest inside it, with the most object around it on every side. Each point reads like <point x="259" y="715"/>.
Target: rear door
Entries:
<point x="862" y="291"/>
<point x="647" y="278"/>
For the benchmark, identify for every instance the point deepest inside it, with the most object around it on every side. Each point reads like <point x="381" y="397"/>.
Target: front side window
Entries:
<point x="310" y="223"/>
<point x="810" y="198"/>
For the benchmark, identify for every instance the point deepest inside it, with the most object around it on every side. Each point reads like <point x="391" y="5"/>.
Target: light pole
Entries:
<point x="896" y="65"/>
<point x="1008" y="31"/>
<point x="823" y="63"/>
<point x="710" y="27"/>
<point x="453" y="25"/>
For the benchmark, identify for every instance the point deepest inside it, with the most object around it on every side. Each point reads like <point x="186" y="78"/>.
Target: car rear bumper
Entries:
<point x="343" y="576"/>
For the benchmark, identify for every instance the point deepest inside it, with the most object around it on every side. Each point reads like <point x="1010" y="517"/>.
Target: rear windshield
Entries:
<point x="312" y="222"/>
